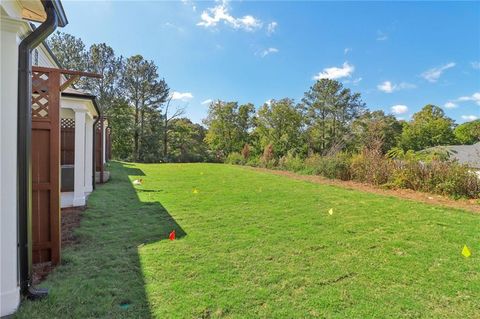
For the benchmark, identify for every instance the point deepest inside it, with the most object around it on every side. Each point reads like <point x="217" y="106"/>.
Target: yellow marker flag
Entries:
<point x="195" y="191"/>
<point x="330" y="211"/>
<point x="466" y="252"/>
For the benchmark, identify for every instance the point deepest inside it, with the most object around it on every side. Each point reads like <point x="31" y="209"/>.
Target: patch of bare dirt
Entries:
<point x="70" y="221"/>
<point x="471" y="205"/>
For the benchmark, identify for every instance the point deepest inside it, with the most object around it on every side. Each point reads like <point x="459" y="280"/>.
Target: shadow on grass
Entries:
<point x="101" y="276"/>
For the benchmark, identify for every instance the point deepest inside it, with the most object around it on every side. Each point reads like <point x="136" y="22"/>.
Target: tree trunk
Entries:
<point x="135" y="151"/>
<point x="165" y="140"/>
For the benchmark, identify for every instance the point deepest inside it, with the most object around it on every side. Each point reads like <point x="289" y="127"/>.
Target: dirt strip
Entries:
<point x="472" y="205"/>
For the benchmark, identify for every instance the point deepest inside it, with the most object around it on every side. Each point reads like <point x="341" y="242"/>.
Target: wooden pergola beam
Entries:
<point x="69" y="82"/>
<point x="69" y="72"/>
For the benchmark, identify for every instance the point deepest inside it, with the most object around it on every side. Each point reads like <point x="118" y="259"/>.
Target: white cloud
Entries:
<point x="354" y="81"/>
<point x="381" y="36"/>
<point x="207" y="101"/>
<point x="450" y="105"/>
<point x="190" y="3"/>
<point x="476" y="65"/>
<point x="389" y="87"/>
<point x="268" y="102"/>
<point x="335" y="72"/>
<point x="346" y="50"/>
<point x="469" y="117"/>
<point x="399" y="109"/>
<point x="268" y="51"/>
<point x="386" y="87"/>
<point x="220" y="13"/>
<point x="433" y="74"/>
<point x="357" y="80"/>
<point x="187" y="96"/>
<point x="271" y="27"/>
<point x="475" y="97"/>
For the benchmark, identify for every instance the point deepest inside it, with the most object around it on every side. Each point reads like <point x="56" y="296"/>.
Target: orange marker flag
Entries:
<point x="172" y="235"/>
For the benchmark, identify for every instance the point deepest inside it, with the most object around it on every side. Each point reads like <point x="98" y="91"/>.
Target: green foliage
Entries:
<point x="228" y="126"/>
<point x="334" y="166"/>
<point x="370" y="166"/>
<point x="372" y="127"/>
<point x="150" y="138"/>
<point x="291" y="162"/>
<point x="429" y="127"/>
<point x="69" y="50"/>
<point x="145" y="92"/>
<point x="468" y="133"/>
<point x="235" y="158"/>
<point x="121" y="122"/>
<point x="254" y="161"/>
<point x="440" y="177"/>
<point x="280" y="123"/>
<point x="399" y="153"/>
<point x="186" y="142"/>
<point x="329" y="108"/>
<point x="102" y="60"/>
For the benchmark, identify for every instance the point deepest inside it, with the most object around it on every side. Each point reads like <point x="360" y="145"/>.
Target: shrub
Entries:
<point x="235" y="158"/>
<point x="268" y="159"/>
<point x="334" y="166"/>
<point x="440" y="177"/>
<point x="290" y="162"/>
<point x="246" y="151"/>
<point x="254" y="161"/>
<point x="371" y="166"/>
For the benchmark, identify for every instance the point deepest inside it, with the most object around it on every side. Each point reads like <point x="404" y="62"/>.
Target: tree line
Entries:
<point x="148" y="126"/>
<point x="329" y="119"/>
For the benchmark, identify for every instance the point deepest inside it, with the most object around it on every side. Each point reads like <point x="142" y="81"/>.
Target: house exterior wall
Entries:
<point x="11" y="29"/>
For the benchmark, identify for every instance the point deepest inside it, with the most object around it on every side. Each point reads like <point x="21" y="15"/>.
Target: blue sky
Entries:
<point x="398" y="55"/>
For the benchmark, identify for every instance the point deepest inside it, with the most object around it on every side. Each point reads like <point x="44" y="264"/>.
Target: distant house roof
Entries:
<point x="465" y="154"/>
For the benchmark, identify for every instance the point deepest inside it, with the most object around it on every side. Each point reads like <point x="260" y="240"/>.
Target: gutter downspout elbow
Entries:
<point x="24" y="136"/>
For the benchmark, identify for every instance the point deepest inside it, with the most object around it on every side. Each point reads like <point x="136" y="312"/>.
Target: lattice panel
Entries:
<point x="67" y="123"/>
<point x="40" y="96"/>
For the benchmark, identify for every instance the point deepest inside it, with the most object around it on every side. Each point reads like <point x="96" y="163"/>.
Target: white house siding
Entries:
<point x="11" y="28"/>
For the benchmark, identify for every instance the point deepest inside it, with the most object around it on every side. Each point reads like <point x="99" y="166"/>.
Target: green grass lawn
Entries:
<point x="253" y="244"/>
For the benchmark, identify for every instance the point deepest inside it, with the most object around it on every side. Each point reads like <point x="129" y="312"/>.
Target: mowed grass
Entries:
<point x="257" y="245"/>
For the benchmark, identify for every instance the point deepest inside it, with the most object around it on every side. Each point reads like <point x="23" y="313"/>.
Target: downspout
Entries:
<point x="24" y="137"/>
<point x="94" y="157"/>
<point x="102" y="150"/>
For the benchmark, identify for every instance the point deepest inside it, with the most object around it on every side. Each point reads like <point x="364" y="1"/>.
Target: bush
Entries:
<point x="254" y="161"/>
<point x="246" y="152"/>
<point x="268" y="159"/>
<point x="371" y="166"/>
<point x="334" y="166"/>
<point x="440" y="177"/>
<point x="291" y="163"/>
<point x="235" y="158"/>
